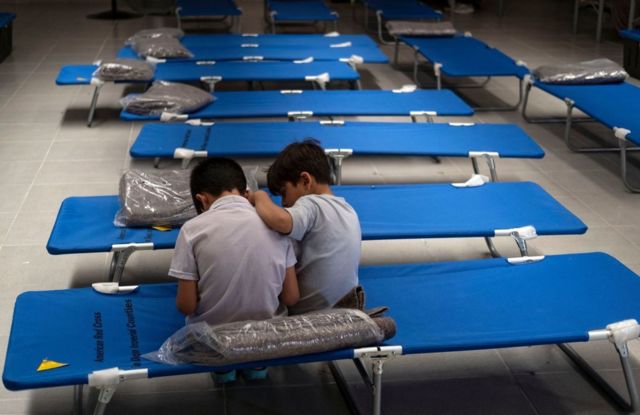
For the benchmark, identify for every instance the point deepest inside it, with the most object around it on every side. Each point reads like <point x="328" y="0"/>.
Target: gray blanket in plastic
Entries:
<point x="249" y="341"/>
<point x="598" y="71"/>
<point x="417" y="28"/>
<point x="156" y="33"/>
<point x="124" y="70"/>
<point x="161" y="198"/>
<point x="159" y="47"/>
<point x="167" y="97"/>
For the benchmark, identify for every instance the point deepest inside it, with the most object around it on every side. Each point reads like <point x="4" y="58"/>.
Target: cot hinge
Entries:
<point x="341" y="153"/>
<point x="321" y="79"/>
<point x="436" y="68"/>
<point x="341" y="45"/>
<point x="475" y="180"/>
<point x="528" y="79"/>
<point x="211" y="81"/>
<point x="291" y="91"/>
<point x="252" y="58"/>
<point x="299" y="115"/>
<point x="135" y="246"/>
<point x="97" y="82"/>
<point x="305" y="60"/>
<point x="187" y="154"/>
<point x="525" y="259"/>
<point x="520" y="235"/>
<point x="332" y="34"/>
<point x="621" y="133"/>
<point x="113" y="288"/>
<point x="205" y="62"/>
<point x="377" y="352"/>
<point x="172" y="116"/>
<point x="484" y="154"/>
<point x="249" y="35"/>
<point x="107" y="380"/>
<point x="619" y="334"/>
<point x="429" y="115"/>
<point x="153" y="60"/>
<point x="521" y="63"/>
<point x="332" y="122"/>
<point x="405" y="89"/>
<point x="249" y="45"/>
<point x="353" y="61"/>
<point x="198" y="122"/>
<point x="462" y="124"/>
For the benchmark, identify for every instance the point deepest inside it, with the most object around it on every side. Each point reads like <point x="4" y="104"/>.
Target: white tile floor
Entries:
<point x="47" y="153"/>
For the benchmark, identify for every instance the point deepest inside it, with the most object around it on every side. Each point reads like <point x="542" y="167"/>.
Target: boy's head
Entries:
<point x="212" y="177"/>
<point x="297" y="169"/>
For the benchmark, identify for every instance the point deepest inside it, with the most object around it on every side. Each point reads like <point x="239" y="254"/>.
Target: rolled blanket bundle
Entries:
<point x="167" y="97"/>
<point x="418" y="28"/>
<point x="279" y="337"/>
<point x="124" y="70"/>
<point x="160" y="47"/>
<point x="156" y="33"/>
<point x="597" y="71"/>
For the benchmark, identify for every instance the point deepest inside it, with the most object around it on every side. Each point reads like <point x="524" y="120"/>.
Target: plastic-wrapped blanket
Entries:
<point x="156" y="33"/>
<point x="598" y="71"/>
<point x="160" y="47"/>
<point x="167" y="97"/>
<point x="416" y="28"/>
<point x="161" y="198"/>
<point x="124" y="70"/>
<point x="249" y="341"/>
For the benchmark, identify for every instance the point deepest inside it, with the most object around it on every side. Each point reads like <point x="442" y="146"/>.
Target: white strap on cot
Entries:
<point x="621" y="133"/>
<point x="476" y="180"/>
<point x="113" y="288"/>
<point x="171" y="116"/>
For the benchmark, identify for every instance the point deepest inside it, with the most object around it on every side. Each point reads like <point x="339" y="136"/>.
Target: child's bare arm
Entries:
<point x="187" y="297"/>
<point x="273" y="215"/>
<point x="290" y="293"/>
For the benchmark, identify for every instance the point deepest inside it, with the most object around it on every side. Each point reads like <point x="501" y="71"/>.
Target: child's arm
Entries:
<point x="273" y="215"/>
<point x="290" y="293"/>
<point x="187" y="297"/>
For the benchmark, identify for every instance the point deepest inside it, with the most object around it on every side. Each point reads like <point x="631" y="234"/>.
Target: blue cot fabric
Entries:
<point x="92" y="331"/>
<point x="486" y="304"/>
<point x="437" y="307"/>
<point x="76" y="74"/>
<point x="294" y="52"/>
<point x="614" y="105"/>
<point x="6" y="19"/>
<point x="230" y="71"/>
<point x="633" y="34"/>
<point x="85" y="224"/>
<point x="197" y="8"/>
<point x="364" y="138"/>
<point x="403" y="10"/>
<point x="301" y="11"/>
<point x="465" y="56"/>
<point x="313" y="41"/>
<point x="325" y="103"/>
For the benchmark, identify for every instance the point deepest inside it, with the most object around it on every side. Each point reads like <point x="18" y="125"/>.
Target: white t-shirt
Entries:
<point x="328" y="231"/>
<point x="238" y="261"/>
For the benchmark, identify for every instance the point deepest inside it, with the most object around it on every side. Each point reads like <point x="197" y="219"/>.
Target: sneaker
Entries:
<point x="224" y="377"/>
<point x="255" y="373"/>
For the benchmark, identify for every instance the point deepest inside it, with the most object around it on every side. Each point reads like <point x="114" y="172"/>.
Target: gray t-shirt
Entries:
<point x="238" y="261"/>
<point x="328" y="232"/>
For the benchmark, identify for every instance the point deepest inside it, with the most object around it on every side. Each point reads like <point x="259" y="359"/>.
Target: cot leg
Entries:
<point x="543" y="120"/>
<point x="416" y="66"/>
<point x="118" y="261"/>
<point x="380" y="35"/>
<point x="377" y="386"/>
<point x="492" y="248"/>
<point x="592" y="374"/>
<point x="94" y="102"/>
<point x="104" y="397"/>
<point x="396" y="52"/>
<point x="623" y="167"/>
<point x="78" y="396"/>
<point x="178" y="19"/>
<point x="491" y="164"/>
<point x="156" y="162"/>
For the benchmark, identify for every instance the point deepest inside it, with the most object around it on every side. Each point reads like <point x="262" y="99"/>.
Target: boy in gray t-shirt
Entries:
<point x="325" y="226"/>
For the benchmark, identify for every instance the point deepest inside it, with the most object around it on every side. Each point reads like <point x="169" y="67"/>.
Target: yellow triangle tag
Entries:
<point x="50" y="364"/>
<point x="162" y="228"/>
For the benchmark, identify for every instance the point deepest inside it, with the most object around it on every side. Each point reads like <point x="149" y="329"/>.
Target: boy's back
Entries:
<point x="328" y="250"/>
<point x="238" y="261"/>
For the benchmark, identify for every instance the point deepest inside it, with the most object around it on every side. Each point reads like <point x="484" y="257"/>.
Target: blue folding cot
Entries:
<point x="299" y="11"/>
<point x="210" y="73"/>
<point x="614" y="105"/>
<point x="397" y="10"/>
<point x="441" y="307"/>
<point x="341" y="139"/>
<point x="465" y="56"/>
<point x="296" y="104"/>
<point x="342" y="51"/>
<point x="199" y="9"/>
<point x="255" y="40"/>
<point x="520" y="210"/>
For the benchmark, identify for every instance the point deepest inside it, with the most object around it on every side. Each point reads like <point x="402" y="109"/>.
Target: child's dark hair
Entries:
<point x="215" y="175"/>
<point x="294" y="159"/>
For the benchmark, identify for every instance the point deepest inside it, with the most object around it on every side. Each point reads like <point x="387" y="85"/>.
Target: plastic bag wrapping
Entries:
<point x="598" y="71"/>
<point x="160" y="47"/>
<point x="249" y="341"/>
<point x="171" y="32"/>
<point x="161" y="198"/>
<point x="416" y="28"/>
<point x="167" y="97"/>
<point x="124" y="70"/>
